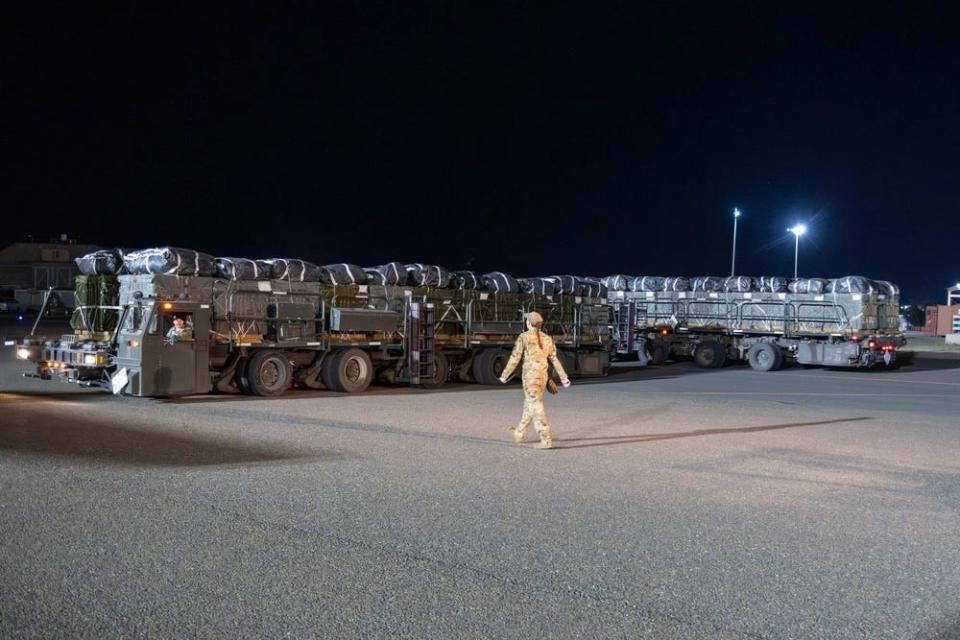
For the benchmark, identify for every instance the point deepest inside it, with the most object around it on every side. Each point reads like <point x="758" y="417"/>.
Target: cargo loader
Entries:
<point x="262" y="337"/>
<point x="767" y="329"/>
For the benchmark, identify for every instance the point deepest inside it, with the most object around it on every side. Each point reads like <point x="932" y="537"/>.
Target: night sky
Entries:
<point x="531" y="139"/>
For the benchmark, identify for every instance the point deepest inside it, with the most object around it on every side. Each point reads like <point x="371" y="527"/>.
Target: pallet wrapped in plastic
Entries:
<point x="852" y="284"/>
<point x="647" y="283"/>
<point x="467" y="280"/>
<point x="169" y="261"/>
<point x="539" y="286"/>
<point x="342" y="273"/>
<point x="102" y="262"/>
<point x="676" y="283"/>
<point x="389" y="274"/>
<point x="374" y="277"/>
<point x="590" y="287"/>
<point x="808" y="285"/>
<point x="887" y="288"/>
<point x="243" y="269"/>
<point x="710" y="284"/>
<point x="739" y="284"/>
<point x="618" y="282"/>
<point x="772" y="284"/>
<point x="566" y="285"/>
<point x="293" y="270"/>
<point x="500" y="282"/>
<point x="93" y="294"/>
<point x="428" y="275"/>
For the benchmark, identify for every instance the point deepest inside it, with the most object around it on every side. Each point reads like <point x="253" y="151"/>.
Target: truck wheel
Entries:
<point x="443" y="371"/>
<point x="489" y="364"/>
<point x="267" y="373"/>
<point x="710" y="355"/>
<point x="660" y="353"/>
<point x="240" y="377"/>
<point x="328" y="369"/>
<point x="351" y="371"/>
<point x="764" y="356"/>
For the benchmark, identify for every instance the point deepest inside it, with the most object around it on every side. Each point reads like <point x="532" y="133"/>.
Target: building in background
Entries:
<point x="944" y="319"/>
<point x="28" y="270"/>
<point x="41" y="265"/>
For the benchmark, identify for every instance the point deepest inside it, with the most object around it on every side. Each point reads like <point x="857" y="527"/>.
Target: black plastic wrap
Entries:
<point x="342" y="273"/>
<point x="499" y="282"/>
<point x="294" y="270"/>
<point x="428" y="275"/>
<point x="467" y="280"/>
<point x="170" y="261"/>
<point x="243" y="269"/>
<point x="102" y="262"/>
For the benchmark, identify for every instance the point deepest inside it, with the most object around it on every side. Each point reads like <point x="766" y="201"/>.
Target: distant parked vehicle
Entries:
<point x="10" y="305"/>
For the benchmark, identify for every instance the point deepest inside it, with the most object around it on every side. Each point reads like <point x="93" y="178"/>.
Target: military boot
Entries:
<point x="517" y="436"/>
<point x="544" y="444"/>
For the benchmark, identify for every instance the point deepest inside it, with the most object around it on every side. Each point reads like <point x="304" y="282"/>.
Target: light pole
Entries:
<point x="797" y="230"/>
<point x="733" y="261"/>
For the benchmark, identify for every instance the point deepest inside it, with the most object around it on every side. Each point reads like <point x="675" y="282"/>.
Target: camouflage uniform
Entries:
<point x="535" y="347"/>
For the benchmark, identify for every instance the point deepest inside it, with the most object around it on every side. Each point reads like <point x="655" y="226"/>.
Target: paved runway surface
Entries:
<point x="680" y="503"/>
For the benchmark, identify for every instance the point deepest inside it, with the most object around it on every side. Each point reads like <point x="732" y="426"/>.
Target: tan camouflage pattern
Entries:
<point x="535" y="355"/>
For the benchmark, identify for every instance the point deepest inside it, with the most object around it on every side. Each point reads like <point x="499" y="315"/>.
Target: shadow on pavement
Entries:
<point x="75" y="437"/>
<point x="853" y="472"/>
<point x="924" y="362"/>
<point x="606" y="441"/>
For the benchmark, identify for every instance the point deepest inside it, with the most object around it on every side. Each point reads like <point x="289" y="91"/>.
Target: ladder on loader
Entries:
<point x="625" y="317"/>
<point x="421" y="343"/>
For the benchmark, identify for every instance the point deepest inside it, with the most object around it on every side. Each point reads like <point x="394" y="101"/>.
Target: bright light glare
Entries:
<point x="798" y="229"/>
<point x="736" y="213"/>
<point x="23" y="354"/>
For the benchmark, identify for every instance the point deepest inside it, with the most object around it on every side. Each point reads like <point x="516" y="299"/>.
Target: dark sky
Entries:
<point x="535" y="140"/>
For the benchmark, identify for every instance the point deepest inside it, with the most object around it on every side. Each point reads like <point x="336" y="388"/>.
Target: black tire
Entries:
<point x="765" y="356"/>
<point x="267" y="374"/>
<point x="443" y="371"/>
<point x="351" y="372"/>
<point x="710" y="355"/>
<point x="489" y="364"/>
<point x="328" y="370"/>
<point x="660" y="353"/>
<point x="240" y="378"/>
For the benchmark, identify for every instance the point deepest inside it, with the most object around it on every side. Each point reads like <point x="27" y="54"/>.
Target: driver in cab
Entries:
<point x="180" y="330"/>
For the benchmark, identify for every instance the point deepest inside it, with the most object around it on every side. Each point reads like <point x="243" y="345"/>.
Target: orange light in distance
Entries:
<point x="167" y="306"/>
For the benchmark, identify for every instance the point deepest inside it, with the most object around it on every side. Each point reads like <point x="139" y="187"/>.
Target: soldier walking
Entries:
<point x="535" y="348"/>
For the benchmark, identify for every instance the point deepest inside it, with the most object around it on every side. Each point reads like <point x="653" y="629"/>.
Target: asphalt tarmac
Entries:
<point x="679" y="503"/>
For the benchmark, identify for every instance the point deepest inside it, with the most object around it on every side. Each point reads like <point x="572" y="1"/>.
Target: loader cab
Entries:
<point x="163" y="349"/>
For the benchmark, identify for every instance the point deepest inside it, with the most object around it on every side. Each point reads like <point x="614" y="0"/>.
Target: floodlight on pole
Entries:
<point x="733" y="261"/>
<point x="797" y="230"/>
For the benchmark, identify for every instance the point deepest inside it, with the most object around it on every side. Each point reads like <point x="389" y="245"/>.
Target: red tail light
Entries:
<point x="872" y="344"/>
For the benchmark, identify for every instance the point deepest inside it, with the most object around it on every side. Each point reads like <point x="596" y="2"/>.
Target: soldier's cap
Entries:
<point x="533" y="318"/>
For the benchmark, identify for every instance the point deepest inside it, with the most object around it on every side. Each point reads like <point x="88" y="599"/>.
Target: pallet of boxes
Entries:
<point x="98" y="295"/>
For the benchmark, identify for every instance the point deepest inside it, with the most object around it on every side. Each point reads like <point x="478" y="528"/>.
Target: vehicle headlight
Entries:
<point x="92" y="358"/>
<point x="23" y="353"/>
